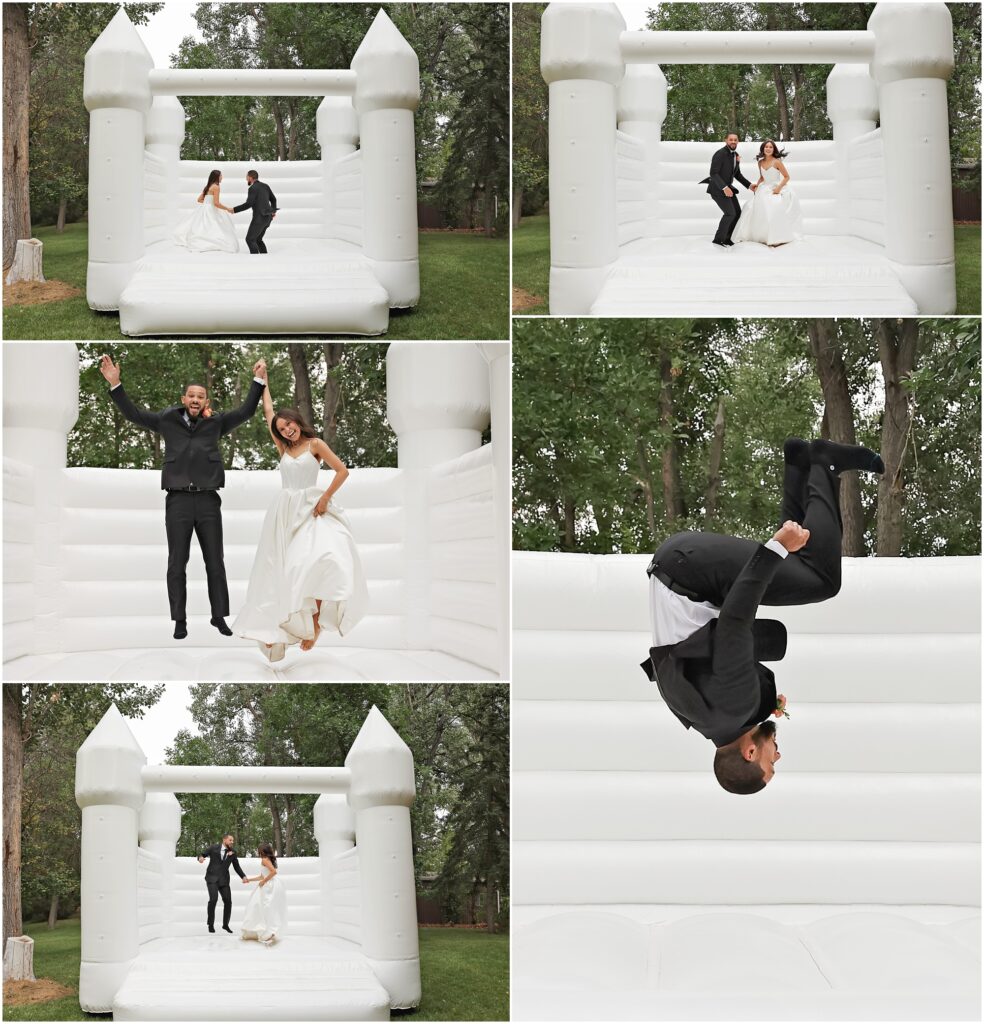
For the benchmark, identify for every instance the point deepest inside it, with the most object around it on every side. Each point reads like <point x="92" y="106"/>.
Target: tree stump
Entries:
<point x="27" y="262"/>
<point x="18" y="959"/>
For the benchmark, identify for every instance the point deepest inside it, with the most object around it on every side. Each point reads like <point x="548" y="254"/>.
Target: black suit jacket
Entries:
<point x="218" y="869"/>
<point x="191" y="453"/>
<point x="712" y="681"/>
<point x="725" y="168"/>
<point x="260" y="199"/>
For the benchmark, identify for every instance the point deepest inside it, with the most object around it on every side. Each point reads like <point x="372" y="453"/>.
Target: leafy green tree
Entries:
<point x="529" y="114"/>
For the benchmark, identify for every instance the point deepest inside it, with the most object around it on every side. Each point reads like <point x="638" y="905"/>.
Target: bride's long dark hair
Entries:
<point x="291" y="416"/>
<point x="777" y="153"/>
<point x="266" y="850"/>
<point x="213" y="177"/>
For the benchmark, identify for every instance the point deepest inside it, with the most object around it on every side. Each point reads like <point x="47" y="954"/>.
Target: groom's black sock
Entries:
<point x="226" y="928"/>
<point x="845" y="456"/>
<point x="220" y="625"/>
<point x="180" y="629"/>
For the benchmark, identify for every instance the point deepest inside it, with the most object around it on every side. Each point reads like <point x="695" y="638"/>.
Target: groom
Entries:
<point x="192" y="476"/>
<point x="261" y="200"/>
<point x="720" y="182"/>
<point x="221" y="856"/>
<point x="704" y="591"/>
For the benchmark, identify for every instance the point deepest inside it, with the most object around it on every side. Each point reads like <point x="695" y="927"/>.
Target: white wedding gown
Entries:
<point x="300" y="559"/>
<point x="266" y="912"/>
<point x="207" y="229"/>
<point x="768" y="218"/>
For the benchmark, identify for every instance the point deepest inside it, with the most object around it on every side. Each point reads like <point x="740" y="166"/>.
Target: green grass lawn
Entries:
<point x="531" y="263"/>
<point x="968" y="253"/>
<point x="464" y="292"/>
<point x="464" y="974"/>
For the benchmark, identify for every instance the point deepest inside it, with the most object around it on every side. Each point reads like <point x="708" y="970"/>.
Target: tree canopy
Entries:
<point x="627" y="430"/>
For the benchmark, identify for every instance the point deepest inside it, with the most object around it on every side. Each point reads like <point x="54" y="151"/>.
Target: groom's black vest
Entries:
<point x="191" y="451"/>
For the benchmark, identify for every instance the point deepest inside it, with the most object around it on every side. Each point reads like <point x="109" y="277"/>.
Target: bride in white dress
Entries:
<point x="266" y="912"/>
<point x="773" y="215"/>
<point x="209" y="228"/>
<point x="307" y="575"/>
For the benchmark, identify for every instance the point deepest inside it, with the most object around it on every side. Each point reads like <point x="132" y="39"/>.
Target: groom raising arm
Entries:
<point x="192" y="475"/>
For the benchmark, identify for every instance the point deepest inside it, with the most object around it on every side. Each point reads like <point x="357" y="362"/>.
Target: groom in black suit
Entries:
<point x="705" y="589"/>
<point x="192" y="475"/>
<point x="221" y="856"/>
<point x="261" y="200"/>
<point x="720" y="187"/>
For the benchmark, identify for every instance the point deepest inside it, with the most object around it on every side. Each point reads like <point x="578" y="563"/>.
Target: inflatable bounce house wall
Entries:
<point x="344" y="243"/>
<point x="630" y="227"/>
<point x="349" y="951"/>
<point x="86" y="554"/>
<point x="849" y="889"/>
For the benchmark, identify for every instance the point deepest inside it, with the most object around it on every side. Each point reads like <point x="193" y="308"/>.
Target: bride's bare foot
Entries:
<point x="306" y="645"/>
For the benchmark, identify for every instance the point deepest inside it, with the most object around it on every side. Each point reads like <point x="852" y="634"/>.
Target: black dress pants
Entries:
<point x="215" y="889"/>
<point x="709" y="563"/>
<point x="199" y="513"/>
<point x="257" y="229"/>
<point x="731" y="210"/>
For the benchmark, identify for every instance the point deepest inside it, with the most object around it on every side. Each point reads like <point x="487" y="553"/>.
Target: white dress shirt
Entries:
<point x="674" y="617"/>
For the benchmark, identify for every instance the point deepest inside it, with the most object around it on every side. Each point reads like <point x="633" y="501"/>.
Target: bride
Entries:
<point x="773" y="215"/>
<point x="265" y="918"/>
<point x="208" y="229"/>
<point x="307" y="574"/>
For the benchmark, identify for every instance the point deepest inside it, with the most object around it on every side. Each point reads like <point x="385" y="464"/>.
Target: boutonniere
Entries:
<point x="781" y="709"/>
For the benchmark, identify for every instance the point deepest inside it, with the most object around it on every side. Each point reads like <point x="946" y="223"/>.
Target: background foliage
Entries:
<point x="614" y="429"/>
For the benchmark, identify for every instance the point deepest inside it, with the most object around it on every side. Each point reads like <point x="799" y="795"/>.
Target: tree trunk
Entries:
<point x="517" y="205"/>
<point x="333" y="394"/>
<point x="281" y="134"/>
<point x="62" y="211"/>
<point x="488" y="208"/>
<point x="490" y="904"/>
<point x="16" y="103"/>
<point x="53" y="910"/>
<point x="797" y="100"/>
<point x="292" y="129"/>
<point x="569" y="536"/>
<point x="714" y="468"/>
<point x="278" y="835"/>
<point x="646" y="481"/>
<point x="27" y="261"/>
<point x="302" y="381"/>
<point x="898" y="341"/>
<point x="781" y="100"/>
<point x="672" y="495"/>
<point x="13" y="787"/>
<point x="290" y="808"/>
<point x="839" y="417"/>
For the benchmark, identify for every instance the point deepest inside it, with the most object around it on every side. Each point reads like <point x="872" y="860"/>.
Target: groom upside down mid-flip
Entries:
<point x="192" y="475"/>
<point x="704" y="591"/>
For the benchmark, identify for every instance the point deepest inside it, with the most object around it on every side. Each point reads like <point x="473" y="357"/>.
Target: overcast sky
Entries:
<point x="164" y="31"/>
<point x="157" y="729"/>
<point x="634" y="12"/>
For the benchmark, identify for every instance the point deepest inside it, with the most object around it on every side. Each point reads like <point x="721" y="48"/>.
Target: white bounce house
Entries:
<point x="630" y="227"/>
<point x="85" y="551"/>
<point x="350" y="949"/>
<point x="343" y="247"/>
<point x="849" y="889"/>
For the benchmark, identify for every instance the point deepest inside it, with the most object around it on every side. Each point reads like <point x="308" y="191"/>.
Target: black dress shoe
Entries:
<point x="220" y="625"/>
<point x="727" y="241"/>
<point x="226" y="928"/>
<point x="716" y="242"/>
<point x="840" y="457"/>
<point x="796" y="452"/>
<point x="180" y="629"/>
<point x="211" y="929"/>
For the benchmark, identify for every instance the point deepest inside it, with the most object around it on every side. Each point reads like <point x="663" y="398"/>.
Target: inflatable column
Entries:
<point x="334" y="830"/>
<point x="109" y="791"/>
<point x="165" y="132"/>
<point x="852" y="106"/>
<point x="381" y="794"/>
<point x="387" y="92"/>
<point x="913" y="61"/>
<point x="641" y="113"/>
<point x="581" y="61"/>
<point x="116" y="90"/>
<point x="40" y="407"/>
<point x="338" y="135"/>
<point x="497" y="356"/>
<point x="159" y="829"/>
<point x="437" y="402"/>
